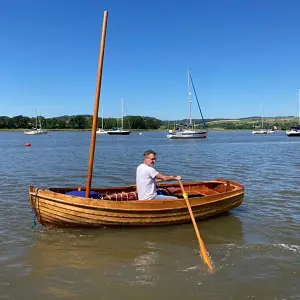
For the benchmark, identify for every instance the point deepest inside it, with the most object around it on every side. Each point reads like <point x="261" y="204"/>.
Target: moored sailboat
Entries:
<point x="120" y="131"/>
<point x="188" y="131"/>
<point x="37" y="130"/>
<point x="101" y="130"/>
<point x="261" y="129"/>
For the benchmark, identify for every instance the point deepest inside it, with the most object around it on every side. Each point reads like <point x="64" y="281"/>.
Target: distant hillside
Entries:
<point x="281" y="122"/>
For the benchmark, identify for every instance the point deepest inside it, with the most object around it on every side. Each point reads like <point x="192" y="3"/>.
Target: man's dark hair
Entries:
<point x="148" y="152"/>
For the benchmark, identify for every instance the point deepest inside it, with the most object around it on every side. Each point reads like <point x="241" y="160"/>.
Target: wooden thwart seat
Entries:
<point x="121" y="196"/>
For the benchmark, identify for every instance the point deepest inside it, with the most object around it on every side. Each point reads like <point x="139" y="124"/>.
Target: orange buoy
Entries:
<point x="27" y="144"/>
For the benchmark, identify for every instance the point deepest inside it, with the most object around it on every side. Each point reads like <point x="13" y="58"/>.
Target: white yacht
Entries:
<point x="36" y="130"/>
<point x="119" y="131"/>
<point x="101" y="130"/>
<point x="260" y="131"/>
<point x="294" y="131"/>
<point x="188" y="131"/>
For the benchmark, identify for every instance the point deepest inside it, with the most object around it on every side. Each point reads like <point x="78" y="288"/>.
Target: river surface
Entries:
<point x="255" y="248"/>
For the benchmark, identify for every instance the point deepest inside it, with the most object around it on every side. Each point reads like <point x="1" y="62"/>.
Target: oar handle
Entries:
<point x="203" y="250"/>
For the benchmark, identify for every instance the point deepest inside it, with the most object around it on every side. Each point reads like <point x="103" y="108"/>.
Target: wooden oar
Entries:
<point x="203" y="251"/>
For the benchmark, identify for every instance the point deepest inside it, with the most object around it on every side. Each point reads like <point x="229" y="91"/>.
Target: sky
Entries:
<point x="244" y="57"/>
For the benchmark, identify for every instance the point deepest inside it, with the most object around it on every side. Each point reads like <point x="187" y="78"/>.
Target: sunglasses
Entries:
<point x="152" y="158"/>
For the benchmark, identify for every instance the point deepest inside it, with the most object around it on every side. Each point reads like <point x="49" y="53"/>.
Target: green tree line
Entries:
<point x="84" y="122"/>
<point x="78" y="122"/>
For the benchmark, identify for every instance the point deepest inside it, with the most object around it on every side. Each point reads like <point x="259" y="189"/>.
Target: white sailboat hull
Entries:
<point x="188" y="134"/>
<point x="35" y="132"/>
<point x="260" y="131"/>
<point x="101" y="131"/>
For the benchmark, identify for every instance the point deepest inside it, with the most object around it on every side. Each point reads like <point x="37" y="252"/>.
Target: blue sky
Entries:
<point x="241" y="54"/>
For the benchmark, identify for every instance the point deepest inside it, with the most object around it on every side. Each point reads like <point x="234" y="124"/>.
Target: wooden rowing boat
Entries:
<point x="53" y="207"/>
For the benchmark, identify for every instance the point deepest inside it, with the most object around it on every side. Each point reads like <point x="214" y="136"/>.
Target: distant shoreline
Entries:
<point x="79" y="123"/>
<point x="132" y="130"/>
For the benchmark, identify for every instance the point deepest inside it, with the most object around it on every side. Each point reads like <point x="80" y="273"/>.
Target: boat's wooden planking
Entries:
<point x="54" y="208"/>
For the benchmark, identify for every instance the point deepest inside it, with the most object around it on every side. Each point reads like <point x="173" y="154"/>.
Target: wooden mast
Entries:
<point x="96" y="107"/>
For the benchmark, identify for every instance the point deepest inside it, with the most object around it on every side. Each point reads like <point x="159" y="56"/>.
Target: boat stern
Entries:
<point x="31" y="190"/>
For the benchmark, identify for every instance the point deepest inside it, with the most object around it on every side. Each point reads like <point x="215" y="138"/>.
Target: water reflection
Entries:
<point x="54" y="249"/>
<point x="84" y="248"/>
<point x="65" y="262"/>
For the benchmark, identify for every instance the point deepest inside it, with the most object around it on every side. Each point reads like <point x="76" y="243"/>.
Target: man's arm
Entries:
<point x="163" y="177"/>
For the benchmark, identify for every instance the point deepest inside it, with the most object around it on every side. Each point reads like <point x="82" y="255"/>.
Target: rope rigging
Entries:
<point x="203" y="121"/>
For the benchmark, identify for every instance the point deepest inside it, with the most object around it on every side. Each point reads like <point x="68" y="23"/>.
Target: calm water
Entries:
<point x="255" y="248"/>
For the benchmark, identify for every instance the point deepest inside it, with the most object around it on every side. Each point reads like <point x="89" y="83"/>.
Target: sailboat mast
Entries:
<point x="262" y="117"/>
<point x="36" y="120"/>
<point x="40" y="121"/>
<point x="102" y="118"/>
<point x="299" y="106"/>
<point x="96" y="107"/>
<point x="122" y="112"/>
<point x="189" y="99"/>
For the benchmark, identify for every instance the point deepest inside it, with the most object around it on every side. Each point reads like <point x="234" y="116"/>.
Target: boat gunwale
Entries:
<point x="100" y="204"/>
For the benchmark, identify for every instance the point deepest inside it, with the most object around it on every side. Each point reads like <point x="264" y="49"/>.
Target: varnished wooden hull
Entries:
<point x="53" y="208"/>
